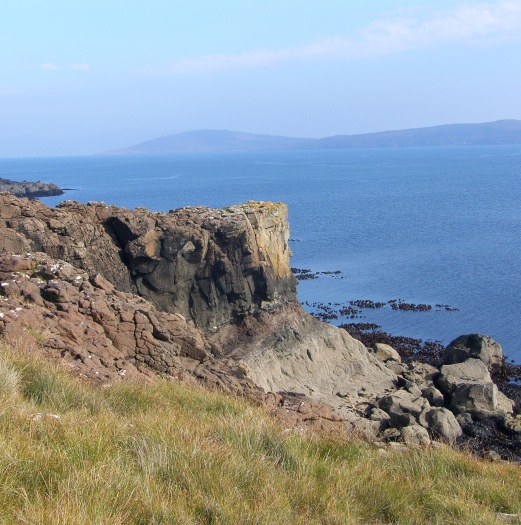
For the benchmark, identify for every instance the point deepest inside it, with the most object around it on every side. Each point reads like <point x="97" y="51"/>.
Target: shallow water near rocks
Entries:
<point x="423" y="225"/>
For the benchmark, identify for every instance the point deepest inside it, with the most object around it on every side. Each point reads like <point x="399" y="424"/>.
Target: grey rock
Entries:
<point x="492" y="455"/>
<point x="397" y="447"/>
<point x="469" y="397"/>
<point x="288" y="350"/>
<point x="471" y="371"/>
<point x="504" y="404"/>
<point x="403" y="407"/>
<point x="397" y="368"/>
<point x="476" y="346"/>
<point x="412" y="388"/>
<point x="465" y="421"/>
<point x="433" y="396"/>
<point x="415" y="435"/>
<point x="512" y="424"/>
<point x="386" y="353"/>
<point x="421" y="373"/>
<point x="378" y="414"/>
<point x="391" y="433"/>
<point x="443" y="423"/>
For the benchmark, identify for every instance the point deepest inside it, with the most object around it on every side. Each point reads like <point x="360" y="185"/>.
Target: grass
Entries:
<point x="163" y="452"/>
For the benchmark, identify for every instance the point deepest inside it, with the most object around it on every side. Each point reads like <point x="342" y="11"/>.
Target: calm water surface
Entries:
<point x="424" y="225"/>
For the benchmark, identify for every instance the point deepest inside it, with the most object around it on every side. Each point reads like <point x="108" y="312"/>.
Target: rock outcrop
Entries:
<point x="208" y="295"/>
<point x="209" y="265"/>
<point x="289" y="350"/>
<point x="117" y="293"/>
<point x="106" y="335"/>
<point x="30" y="189"/>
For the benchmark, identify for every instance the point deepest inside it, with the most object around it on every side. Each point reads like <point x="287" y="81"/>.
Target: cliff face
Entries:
<point x="208" y="295"/>
<point x="116" y="293"/>
<point x="209" y="265"/>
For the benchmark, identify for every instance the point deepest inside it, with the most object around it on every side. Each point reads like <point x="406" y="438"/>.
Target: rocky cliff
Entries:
<point x="208" y="295"/>
<point x="209" y="265"/>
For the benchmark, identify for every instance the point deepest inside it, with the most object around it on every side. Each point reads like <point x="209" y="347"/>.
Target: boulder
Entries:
<point x="422" y="374"/>
<point x="403" y="407"/>
<point x="475" y="346"/>
<point x="474" y="396"/>
<point x="443" y="423"/>
<point x="415" y="435"/>
<point x="512" y="424"/>
<point x="504" y="404"/>
<point x="471" y="371"/>
<point x="433" y="396"/>
<point x="386" y="353"/>
<point x="468" y="387"/>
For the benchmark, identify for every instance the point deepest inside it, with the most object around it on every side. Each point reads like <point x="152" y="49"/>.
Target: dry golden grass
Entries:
<point x="167" y="453"/>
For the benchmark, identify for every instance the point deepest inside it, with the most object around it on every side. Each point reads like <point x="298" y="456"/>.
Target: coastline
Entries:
<point x="30" y="189"/>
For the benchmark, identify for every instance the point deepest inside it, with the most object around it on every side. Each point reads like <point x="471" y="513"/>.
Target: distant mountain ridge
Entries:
<point x="212" y="141"/>
<point x="215" y="141"/>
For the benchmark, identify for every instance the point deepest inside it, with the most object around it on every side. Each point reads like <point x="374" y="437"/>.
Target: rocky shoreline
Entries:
<point x="31" y="190"/>
<point x="208" y="295"/>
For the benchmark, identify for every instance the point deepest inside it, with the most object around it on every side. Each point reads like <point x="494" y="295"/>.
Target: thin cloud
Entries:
<point x="49" y="66"/>
<point x="481" y="23"/>
<point x="80" y="67"/>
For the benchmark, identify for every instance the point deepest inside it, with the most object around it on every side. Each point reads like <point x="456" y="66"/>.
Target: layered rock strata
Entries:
<point x="208" y="265"/>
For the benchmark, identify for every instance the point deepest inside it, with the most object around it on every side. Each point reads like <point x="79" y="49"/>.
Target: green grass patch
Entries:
<point x="163" y="452"/>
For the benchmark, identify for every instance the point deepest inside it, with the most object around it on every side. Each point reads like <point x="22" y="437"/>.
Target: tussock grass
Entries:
<point x="166" y="453"/>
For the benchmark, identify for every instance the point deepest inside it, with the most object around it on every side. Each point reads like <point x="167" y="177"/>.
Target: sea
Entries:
<point x="431" y="226"/>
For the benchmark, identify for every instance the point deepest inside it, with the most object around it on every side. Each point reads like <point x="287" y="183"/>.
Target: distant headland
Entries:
<point x="501" y="132"/>
<point x="28" y="189"/>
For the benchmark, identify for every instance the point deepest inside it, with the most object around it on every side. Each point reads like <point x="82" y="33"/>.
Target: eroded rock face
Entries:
<point x="106" y="335"/>
<point x="100" y="330"/>
<point x="289" y="350"/>
<point x="211" y="266"/>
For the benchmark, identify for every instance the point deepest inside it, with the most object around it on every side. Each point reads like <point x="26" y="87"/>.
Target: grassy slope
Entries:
<point x="163" y="452"/>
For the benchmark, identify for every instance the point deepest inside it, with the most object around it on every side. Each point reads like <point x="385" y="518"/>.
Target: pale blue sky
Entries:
<point x="97" y="75"/>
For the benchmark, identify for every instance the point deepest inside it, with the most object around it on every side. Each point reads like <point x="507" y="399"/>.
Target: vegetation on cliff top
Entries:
<point x="164" y="452"/>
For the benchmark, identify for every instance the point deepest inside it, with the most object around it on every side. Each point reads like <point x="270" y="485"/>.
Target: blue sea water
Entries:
<point x="424" y="225"/>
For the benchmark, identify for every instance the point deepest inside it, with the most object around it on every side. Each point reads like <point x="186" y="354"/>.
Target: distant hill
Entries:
<point x="214" y="141"/>
<point x="487" y="133"/>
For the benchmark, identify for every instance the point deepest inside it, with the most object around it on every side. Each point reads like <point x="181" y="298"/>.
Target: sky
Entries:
<point x="79" y="77"/>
